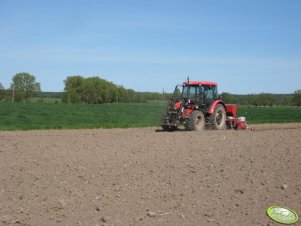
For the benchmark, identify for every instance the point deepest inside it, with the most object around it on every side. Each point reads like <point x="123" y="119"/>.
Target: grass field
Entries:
<point x="27" y="116"/>
<point x="270" y="114"/>
<point x="60" y="116"/>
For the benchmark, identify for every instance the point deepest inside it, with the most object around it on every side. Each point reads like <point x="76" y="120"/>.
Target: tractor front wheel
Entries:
<point x="196" y="121"/>
<point x="218" y="118"/>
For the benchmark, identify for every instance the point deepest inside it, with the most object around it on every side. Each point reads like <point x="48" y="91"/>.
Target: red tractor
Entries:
<point x="199" y="106"/>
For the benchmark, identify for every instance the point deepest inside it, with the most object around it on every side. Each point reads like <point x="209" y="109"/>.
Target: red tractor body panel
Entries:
<point x="212" y="107"/>
<point x="187" y="110"/>
<point x="231" y="110"/>
<point x="178" y="105"/>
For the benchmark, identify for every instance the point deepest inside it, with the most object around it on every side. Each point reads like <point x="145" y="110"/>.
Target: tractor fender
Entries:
<point x="213" y="105"/>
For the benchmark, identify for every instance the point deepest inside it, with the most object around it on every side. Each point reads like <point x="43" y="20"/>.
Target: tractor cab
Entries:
<point x="198" y="93"/>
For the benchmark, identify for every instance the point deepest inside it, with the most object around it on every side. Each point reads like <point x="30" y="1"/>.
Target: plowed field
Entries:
<point x="143" y="177"/>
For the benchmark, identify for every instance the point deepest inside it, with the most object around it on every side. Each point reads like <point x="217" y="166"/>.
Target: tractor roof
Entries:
<point x="193" y="83"/>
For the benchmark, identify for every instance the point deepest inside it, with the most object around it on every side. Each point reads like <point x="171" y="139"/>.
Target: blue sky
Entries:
<point x="248" y="46"/>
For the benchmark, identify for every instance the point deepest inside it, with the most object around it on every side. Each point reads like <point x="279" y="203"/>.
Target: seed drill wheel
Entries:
<point x="195" y="122"/>
<point x="218" y="118"/>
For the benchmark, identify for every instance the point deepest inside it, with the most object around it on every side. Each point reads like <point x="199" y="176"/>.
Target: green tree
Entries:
<point x="92" y="90"/>
<point x="271" y="99"/>
<point x="254" y="100"/>
<point x="74" y="86"/>
<point x="23" y="86"/>
<point x="2" y="91"/>
<point x="228" y="98"/>
<point x="297" y="98"/>
<point x="283" y="99"/>
<point x="266" y="99"/>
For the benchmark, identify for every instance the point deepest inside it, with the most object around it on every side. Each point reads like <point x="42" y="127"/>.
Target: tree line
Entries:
<point x="264" y="99"/>
<point x="92" y="90"/>
<point x="95" y="90"/>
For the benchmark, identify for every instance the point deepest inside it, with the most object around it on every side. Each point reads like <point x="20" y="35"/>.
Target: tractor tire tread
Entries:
<point x="193" y="123"/>
<point x="212" y="120"/>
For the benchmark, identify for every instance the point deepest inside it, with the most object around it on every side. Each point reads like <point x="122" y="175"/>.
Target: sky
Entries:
<point x="249" y="46"/>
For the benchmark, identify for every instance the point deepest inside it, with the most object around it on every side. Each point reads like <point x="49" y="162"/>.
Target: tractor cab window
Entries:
<point x="210" y="92"/>
<point x="193" y="92"/>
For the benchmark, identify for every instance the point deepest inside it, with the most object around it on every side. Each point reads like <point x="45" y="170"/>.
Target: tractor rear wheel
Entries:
<point x="195" y="122"/>
<point x="218" y="118"/>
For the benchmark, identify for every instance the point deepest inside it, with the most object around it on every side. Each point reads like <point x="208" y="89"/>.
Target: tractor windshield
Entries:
<point x="190" y="92"/>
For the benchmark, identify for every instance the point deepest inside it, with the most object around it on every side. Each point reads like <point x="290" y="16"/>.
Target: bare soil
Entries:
<point x="143" y="177"/>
